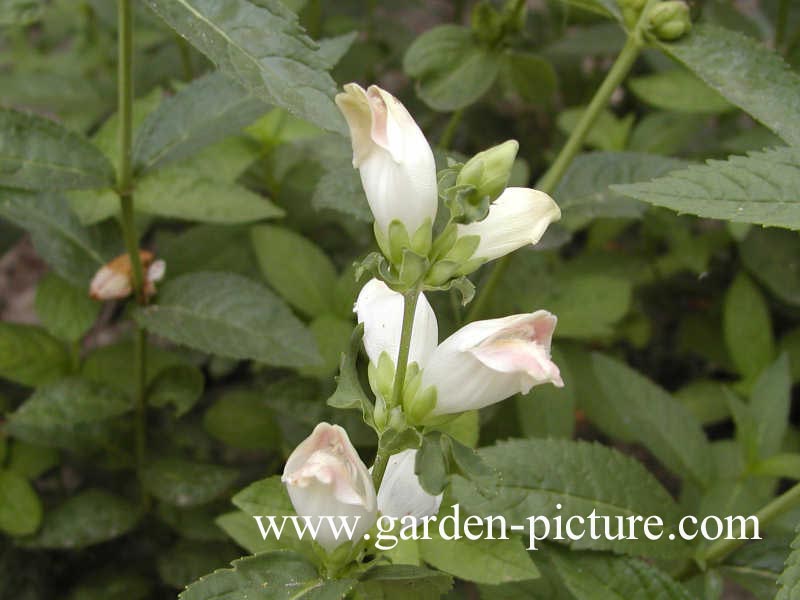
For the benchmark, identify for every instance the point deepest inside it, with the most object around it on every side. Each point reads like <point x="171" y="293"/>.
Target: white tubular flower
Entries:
<point x="518" y="217"/>
<point x="380" y="309"/>
<point x="401" y="494"/>
<point x="394" y="158"/>
<point x="326" y="478"/>
<point x="487" y="361"/>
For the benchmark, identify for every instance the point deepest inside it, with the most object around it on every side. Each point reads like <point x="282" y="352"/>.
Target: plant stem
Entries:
<point x="379" y="467"/>
<point x="450" y="129"/>
<point x="622" y="66"/>
<point x="186" y="57"/>
<point x="781" y="23"/>
<point x="409" y="308"/>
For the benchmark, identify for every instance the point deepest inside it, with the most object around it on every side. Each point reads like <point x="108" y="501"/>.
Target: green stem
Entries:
<point x="620" y="69"/>
<point x="781" y="22"/>
<point x="186" y="57"/>
<point x="450" y="129"/>
<point x="379" y="467"/>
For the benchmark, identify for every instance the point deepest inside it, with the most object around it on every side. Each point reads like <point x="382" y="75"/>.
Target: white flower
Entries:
<point x="401" y="494"/>
<point x="326" y="478"/>
<point x="381" y="311"/>
<point x="114" y="280"/>
<point x="394" y="158"/>
<point x="518" y="217"/>
<point x="487" y="361"/>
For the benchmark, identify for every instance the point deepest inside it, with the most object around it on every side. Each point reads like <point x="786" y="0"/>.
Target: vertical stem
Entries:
<point x="622" y="66"/>
<point x="140" y="369"/>
<point x="409" y="308"/>
<point x="450" y="129"/>
<point x="186" y="57"/>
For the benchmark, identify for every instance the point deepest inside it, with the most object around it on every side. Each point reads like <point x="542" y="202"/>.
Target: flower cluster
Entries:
<point x="418" y="383"/>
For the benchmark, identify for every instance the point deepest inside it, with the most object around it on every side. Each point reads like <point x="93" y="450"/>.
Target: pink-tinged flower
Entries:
<point x="394" y="159"/>
<point x="401" y="494"/>
<point x="114" y="280"/>
<point x="517" y="218"/>
<point x="326" y="478"/>
<point x="487" y="361"/>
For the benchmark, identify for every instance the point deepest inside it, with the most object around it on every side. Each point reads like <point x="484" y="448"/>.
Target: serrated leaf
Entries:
<point x="679" y="91"/>
<point x="451" y="69"/>
<point x="398" y="582"/>
<point x="229" y="315"/>
<point x="205" y="111"/>
<point x="583" y="193"/>
<point x="482" y="561"/>
<point x="746" y="73"/>
<point x="243" y="530"/>
<point x="758" y="188"/>
<point x="184" y="483"/>
<point x="90" y="517"/>
<point x="537" y="475"/>
<point x="39" y="154"/>
<point x="773" y="257"/>
<point x="186" y="193"/>
<point x="30" y="356"/>
<point x="296" y="268"/>
<point x="747" y="327"/>
<point x="264" y="48"/>
<point x="180" y="386"/>
<point x="655" y="419"/>
<point x="65" y="310"/>
<point x="242" y="419"/>
<point x="268" y="576"/>
<point x="789" y="581"/>
<point x="57" y="234"/>
<point x="20" y="507"/>
<point x="593" y="576"/>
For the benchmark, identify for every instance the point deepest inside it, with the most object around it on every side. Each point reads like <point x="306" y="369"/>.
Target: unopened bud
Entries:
<point x="419" y="405"/>
<point x="488" y="171"/>
<point x="114" y="280"/>
<point x="670" y="20"/>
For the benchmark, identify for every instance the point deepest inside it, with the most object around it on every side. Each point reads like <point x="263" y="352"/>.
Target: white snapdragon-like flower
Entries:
<point x="394" y="159"/>
<point x="401" y="494"/>
<point x="325" y="477"/>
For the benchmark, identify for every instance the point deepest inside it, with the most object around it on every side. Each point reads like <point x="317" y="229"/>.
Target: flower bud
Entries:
<point x="325" y="477"/>
<point x="485" y="362"/>
<point x="518" y="217"/>
<point x="670" y="20"/>
<point x="114" y="280"/>
<point x="488" y="171"/>
<point x="401" y="494"/>
<point x="393" y="157"/>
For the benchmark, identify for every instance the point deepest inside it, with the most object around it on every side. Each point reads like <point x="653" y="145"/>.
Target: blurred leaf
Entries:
<point x="587" y="305"/>
<point x="769" y="401"/>
<point x="349" y="393"/>
<point x="193" y="523"/>
<point x="332" y="335"/>
<point x="20" y="12"/>
<point x="548" y="411"/>
<point x="65" y="310"/>
<point x="242" y="419"/>
<point x="264" y="48"/>
<point x="184" y="483"/>
<point x="39" y="154"/>
<point x="180" y="386"/>
<point x="112" y="585"/>
<point x="187" y="561"/>
<point x="758" y="188"/>
<point x="655" y="419"/>
<point x="773" y="257"/>
<point x="31" y="460"/>
<point x="532" y="77"/>
<point x="607" y="133"/>
<point x="665" y="133"/>
<point x="340" y="189"/>
<point x="789" y="581"/>
<point x="20" y="508"/>
<point x="607" y="8"/>
<point x="296" y="268"/>
<point x="678" y="90"/>
<point x="705" y="399"/>
<point x="205" y="111"/>
<point x="746" y="73"/>
<point x="29" y="355"/>
<point x="451" y="70"/>
<point x="747" y="327"/>
<point x="243" y="530"/>
<point x="89" y="517"/>
<point x="209" y="248"/>
<point x="398" y="582"/>
<point x="226" y="314"/>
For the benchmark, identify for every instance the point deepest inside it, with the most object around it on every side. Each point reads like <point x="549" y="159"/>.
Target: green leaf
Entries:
<point x="65" y="310"/>
<point x="333" y="336"/>
<point x="269" y="576"/>
<point x="112" y="584"/>
<point x="57" y="235"/>
<point x="181" y="386"/>
<point x="746" y="73"/>
<point x="30" y="356"/>
<point x="243" y="530"/>
<point x="548" y="411"/>
<point x="203" y="112"/>
<point x="584" y="194"/>
<point x="773" y="257"/>
<point x="770" y="400"/>
<point x="242" y="419"/>
<point x="747" y="326"/>
<point x="399" y="582"/>
<point x="187" y="560"/>
<point x="296" y="268"/>
<point x="229" y="315"/>
<point x="66" y="411"/>
<point x="20" y="507"/>
<point x="679" y="91"/>
<point x="184" y="483"/>
<point x="655" y="419"/>
<point x="537" y="475"/>
<point x="39" y="154"/>
<point x="607" y="133"/>
<point x="607" y="8"/>
<point x="340" y="189"/>
<point x="758" y="188"/>
<point x="209" y="248"/>
<point x="31" y="460"/>
<point x="20" y="12"/>
<point x="592" y="576"/>
<point x="186" y="193"/>
<point x="451" y="70"/>
<point x="532" y="77"/>
<point x="349" y="393"/>
<point x="264" y="48"/>
<point x="90" y="517"/>
<point x="789" y="581"/>
<point x="665" y="133"/>
<point x="482" y="561"/>
<point x="194" y="523"/>
<point x="705" y="399"/>
<point x="265" y="497"/>
<point x="588" y="305"/>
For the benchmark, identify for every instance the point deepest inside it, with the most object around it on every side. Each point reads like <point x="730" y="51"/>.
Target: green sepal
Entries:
<point x="466" y="203"/>
<point x="444" y="242"/>
<point x="412" y="270"/>
<point x="487" y="23"/>
<point x="488" y="171"/>
<point x="422" y="239"/>
<point x="461" y="284"/>
<point x="419" y="406"/>
<point x="441" y="272"/>
<point x="399" y="241"/>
